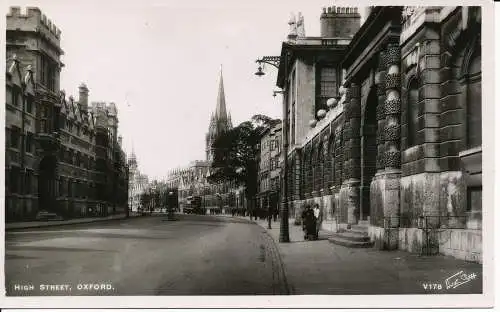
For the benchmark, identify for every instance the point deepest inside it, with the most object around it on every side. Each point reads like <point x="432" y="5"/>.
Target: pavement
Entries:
<point x="215" y="255"/>
<point x="40" y="224"/>
<point x="320" y="267"/>
<point x="195" y="255"/>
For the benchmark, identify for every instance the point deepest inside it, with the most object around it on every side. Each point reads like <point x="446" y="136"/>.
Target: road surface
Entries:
<point x="196" y="255"/>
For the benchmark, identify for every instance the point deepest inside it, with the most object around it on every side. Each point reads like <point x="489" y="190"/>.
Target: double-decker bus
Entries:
<point x="193" y="205"/>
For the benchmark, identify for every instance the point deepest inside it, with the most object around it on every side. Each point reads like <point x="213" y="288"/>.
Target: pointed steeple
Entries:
<point x="219" y="122"/>
<point x="220" y="110"/>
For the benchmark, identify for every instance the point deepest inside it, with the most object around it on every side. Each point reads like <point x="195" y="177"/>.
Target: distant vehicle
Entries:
<point x="44" y="215"/>
<point x="193" y="205"/>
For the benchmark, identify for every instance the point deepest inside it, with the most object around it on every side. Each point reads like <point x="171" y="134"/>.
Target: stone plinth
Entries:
<point x="350" y="200"/>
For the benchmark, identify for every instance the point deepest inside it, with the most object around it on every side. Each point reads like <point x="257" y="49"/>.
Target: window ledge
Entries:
<point x="473" y="164"/>
<point x="470" y="152"/>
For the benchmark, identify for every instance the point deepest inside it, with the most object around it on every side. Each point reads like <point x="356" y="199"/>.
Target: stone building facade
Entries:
<point x="269" y="176"/>
<point x="397" y="147"/>
<point x="62" y="156"/>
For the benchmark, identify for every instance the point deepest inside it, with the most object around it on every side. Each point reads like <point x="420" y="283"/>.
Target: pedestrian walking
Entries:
<point x="303" y="220"/>
<point x="317" y="219"/>
<point x="309" y="223"/>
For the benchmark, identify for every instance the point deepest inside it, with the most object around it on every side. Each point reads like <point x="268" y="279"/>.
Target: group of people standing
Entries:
<point x="311" y="222"/>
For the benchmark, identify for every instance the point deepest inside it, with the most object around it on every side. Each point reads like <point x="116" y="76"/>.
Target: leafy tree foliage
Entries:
<point x="236" y="154"/>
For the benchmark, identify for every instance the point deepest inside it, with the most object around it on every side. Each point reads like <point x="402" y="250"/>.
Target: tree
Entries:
<point x="236" y="154"/>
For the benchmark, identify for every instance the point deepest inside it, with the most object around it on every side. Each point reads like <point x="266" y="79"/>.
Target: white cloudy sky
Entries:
<point x="159" y="61"/>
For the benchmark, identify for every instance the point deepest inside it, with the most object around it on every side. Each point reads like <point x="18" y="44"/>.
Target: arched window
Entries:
<point x="319" y="168"/>
<point x="474" y="132"/>
<point x="331" y="161"/>
<point x="412" y="113"/>
<point x="310" y="171"/>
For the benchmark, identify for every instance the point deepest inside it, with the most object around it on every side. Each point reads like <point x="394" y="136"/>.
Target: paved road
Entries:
<point x="196" y="255"/>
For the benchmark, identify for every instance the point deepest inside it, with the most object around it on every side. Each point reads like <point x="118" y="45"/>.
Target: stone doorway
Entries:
<point x="368" y="153"/>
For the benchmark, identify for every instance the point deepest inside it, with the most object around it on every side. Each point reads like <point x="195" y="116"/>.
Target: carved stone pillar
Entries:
<point x="380" y="81"/>
<point x="393" y="108"/>
<point x="352" y="152"/>
<point x="392" y="145"/>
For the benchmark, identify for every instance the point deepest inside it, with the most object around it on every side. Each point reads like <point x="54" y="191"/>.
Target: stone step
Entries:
<point x="349" y="243"/>
<point x="353" y="236"/>
<point x="359" y="229"/>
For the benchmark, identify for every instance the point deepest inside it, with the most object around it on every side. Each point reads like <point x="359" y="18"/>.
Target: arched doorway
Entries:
<point x="368" y="152"/>
<point x="47" y="185"/>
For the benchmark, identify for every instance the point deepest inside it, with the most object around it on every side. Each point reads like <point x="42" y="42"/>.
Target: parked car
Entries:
<point x="44" y="215"/>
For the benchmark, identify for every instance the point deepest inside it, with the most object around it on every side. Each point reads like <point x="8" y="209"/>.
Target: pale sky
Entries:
<point x="159" y="62"/>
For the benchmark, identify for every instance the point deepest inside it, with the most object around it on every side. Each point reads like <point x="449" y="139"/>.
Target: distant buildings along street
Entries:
<point x="191" y="180"/>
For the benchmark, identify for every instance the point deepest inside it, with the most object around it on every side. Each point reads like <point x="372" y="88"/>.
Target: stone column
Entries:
<point x="377" y="184"/>
<point x="352" y="153"/>
<point x="392" y="143"/>
<point x="380" y="81"/>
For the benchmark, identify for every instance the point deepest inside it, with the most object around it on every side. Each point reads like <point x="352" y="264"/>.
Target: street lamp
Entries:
<point x="260" y="72"/>
<point x="284" y="233"/>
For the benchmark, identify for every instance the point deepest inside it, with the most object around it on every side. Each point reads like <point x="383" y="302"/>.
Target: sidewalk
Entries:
<point x="320" y="267"/>
<point x="39" y="224"/>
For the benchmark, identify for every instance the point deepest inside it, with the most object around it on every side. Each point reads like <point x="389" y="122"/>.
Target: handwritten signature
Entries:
<point x="458" y="279"/>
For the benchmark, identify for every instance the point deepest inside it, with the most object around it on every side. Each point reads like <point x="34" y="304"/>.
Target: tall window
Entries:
<point x="70" y="160"/>
<point x="29" y="142"/>
<point x="327" y="86"/>
<point x="412" y="113"/>
<point x="331" y="162"/>
<point x="61" y="186"/>
<point x="14" y="179"/>
<point x="16" y="96"/>
<point x="15" y="134"/>
<point x="319" y="169"/>
<point x="29" y="104"/>
<point x="474" y="132"/>
<point x="27" y="182"/>
<point x="48" y="70"/>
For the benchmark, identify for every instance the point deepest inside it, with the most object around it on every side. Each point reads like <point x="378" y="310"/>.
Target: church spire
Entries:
<point x="220" y="121"/>
<point x="220" y="110"/>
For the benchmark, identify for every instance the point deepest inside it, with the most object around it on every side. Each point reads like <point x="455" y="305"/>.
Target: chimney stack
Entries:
<point x="83" y="97"/>
<point x="340" y="22"/>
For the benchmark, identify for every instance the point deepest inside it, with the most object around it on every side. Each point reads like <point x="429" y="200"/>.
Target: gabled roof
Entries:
<point x="64" y="106"/>
<point x="78" y="113"/>
<point x="71" y="109"/>
<point x="29" y="81"/>
<point x="91" y="121"/>
<point x="14" y="70"/>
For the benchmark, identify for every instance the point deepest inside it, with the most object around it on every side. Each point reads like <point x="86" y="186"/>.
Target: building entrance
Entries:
<point x="47" y="185"/>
